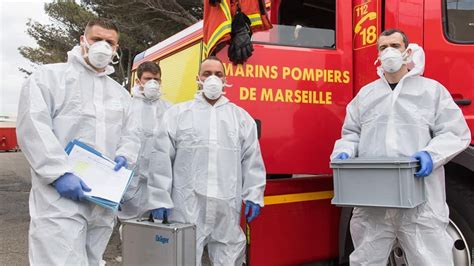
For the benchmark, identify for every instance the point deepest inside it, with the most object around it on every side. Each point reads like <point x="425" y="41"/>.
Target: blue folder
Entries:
<point x="97" y="200"/>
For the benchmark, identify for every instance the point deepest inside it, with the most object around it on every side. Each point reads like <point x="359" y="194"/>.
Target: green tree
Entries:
<point x="141" y="23"/>
<point x="59" y="36"/>
<point x="146" y="22"/>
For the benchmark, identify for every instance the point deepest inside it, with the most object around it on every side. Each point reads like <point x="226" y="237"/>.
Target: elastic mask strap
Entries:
<point x="86" y="48"/>
<point x="405" y="56"/>
<point x="199" y="81"/>
<point x="117" y="58"/>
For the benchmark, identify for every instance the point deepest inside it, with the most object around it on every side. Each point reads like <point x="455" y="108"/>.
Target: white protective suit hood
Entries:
<point x="137" y="93"/>
<point x="415" y="62"/>
<point x="416" y="66"/>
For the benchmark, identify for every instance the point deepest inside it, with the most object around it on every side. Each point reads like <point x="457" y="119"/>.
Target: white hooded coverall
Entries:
<point x="148" y="114"/>
<point x="418" y="115"/>
<point x="209" y="157"/>
<point x="59" y="103"/>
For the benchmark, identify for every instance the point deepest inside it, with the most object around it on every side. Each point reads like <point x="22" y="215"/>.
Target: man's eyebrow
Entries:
<point x="100" y="38"/>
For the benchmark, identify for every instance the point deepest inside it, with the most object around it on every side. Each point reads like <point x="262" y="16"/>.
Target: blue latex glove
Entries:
<point x="121" y="162"/>
<point x="426" y="163"/>
<point x="342" y="156"/>
<point x="255" y="210"/>
<point x="71" y="186"/>
<point x="160" y="213"/>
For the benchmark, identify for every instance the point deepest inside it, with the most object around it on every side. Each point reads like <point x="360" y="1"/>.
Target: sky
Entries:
<point x="13" y="17"/>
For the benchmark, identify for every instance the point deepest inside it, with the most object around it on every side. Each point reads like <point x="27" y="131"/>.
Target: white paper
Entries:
<point x="98" y="173"/>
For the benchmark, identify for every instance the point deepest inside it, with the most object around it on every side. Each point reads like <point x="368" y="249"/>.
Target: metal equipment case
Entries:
<point x="153" y="243"/>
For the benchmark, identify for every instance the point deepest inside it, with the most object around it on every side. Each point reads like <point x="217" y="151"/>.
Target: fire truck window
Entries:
<point x="303" y="23"/>
<point x="459" y="20"/>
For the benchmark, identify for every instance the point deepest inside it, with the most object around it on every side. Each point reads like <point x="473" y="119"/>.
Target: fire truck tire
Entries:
<point x="460" y="198"/>
<point x="462" y="235"/>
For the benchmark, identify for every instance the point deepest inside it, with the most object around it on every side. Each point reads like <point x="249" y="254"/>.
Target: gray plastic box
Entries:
<point x="154" y="243"/>
<point x="377" y="182"/>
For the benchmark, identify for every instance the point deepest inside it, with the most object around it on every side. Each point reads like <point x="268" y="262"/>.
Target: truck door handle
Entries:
<point x="463" y="101"/>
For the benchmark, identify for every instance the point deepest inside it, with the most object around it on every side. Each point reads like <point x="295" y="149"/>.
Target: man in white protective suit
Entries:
<point x="60" y="103"/>
<point x="208" y="156"/>
<point x="147" y="109"/>
<point x="404" y="114"/>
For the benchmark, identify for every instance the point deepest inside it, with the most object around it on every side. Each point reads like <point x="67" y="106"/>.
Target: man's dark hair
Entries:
<point x="389" y="32"/>
<point x="148" y="66"/>
<point x="102" y="22"/>
<point x="212" y="57"/>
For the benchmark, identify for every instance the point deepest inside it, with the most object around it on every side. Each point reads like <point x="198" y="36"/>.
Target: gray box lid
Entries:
<point x="375" y="162"/>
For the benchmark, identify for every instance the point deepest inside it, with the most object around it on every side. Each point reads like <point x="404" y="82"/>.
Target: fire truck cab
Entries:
<point x="302" y="74"/>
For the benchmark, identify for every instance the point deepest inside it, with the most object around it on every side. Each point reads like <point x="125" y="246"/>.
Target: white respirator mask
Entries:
<point x="99" y="53"/>
<point x="392" y="59"/>
<point x="212" y="87"/>
<point x="151" y="89"/>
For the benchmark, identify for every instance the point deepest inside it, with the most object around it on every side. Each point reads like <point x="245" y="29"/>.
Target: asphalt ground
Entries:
<point x="15" y="185"/>
<point x="14" y="217"/>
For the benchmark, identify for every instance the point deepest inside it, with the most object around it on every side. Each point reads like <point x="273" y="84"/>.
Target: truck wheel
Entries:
<point x="462" y="249"/>
<point x="460" y="198"/>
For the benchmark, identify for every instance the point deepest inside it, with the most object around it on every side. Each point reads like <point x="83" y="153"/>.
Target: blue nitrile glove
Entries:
<point x="160" y="213"/>
<point x="342" y="156"/>
<point x="121" y="162"/>
<point x="426" y="163"/>
<point x="71" y="186"/>
<point x="255" y="210"/>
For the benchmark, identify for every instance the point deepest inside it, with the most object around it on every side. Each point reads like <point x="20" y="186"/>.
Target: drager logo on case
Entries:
<point x="161" y="239"/>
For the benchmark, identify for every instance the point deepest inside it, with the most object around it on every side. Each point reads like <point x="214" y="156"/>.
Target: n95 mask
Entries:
<point x="212" y="87"/>
<point x="392" y="59"/>
<point x="99" y="53"/>
<point x="151" y="89"/>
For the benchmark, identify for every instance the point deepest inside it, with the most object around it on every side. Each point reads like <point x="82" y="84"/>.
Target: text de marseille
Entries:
<point x="285" y="95"/>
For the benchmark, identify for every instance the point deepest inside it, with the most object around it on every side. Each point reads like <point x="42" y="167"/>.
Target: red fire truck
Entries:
<point x="303" y="73"/>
